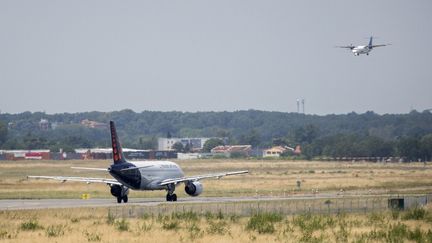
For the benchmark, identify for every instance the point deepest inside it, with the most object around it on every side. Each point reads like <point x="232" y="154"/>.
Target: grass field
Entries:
<point x="266" y="177"/>
<point x="98" y="225"/>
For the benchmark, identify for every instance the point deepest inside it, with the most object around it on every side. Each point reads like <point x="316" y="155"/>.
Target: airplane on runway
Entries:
<point x="142" y="175"/>
<point x="357" y="50"/>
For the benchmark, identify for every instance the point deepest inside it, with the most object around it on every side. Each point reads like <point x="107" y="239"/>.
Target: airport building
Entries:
<point x="229" y="150"/>
<point x="195" y="144"/>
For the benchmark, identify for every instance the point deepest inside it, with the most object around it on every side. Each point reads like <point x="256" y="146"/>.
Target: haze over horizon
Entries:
<point x="224" y="55"/>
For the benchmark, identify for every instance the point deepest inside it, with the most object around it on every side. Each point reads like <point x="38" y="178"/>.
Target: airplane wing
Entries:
<point x="89" y="168"/>
<point x="347" y="47"/>
<point x="200" y="177"/>
<point x="80" y="179"/>
<point x="373" y="46"/>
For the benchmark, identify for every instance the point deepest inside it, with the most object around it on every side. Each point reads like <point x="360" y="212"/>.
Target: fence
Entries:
<point x="283" y="206"/>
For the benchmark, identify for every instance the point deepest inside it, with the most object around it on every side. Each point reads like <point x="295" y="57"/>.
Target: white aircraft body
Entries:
<point x="142" y="175"/>
<point x="357" y="50"/>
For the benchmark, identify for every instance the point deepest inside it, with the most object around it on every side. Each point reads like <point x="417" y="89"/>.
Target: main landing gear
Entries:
<point x="171" y="196"/>
<point x="124" y="198"/>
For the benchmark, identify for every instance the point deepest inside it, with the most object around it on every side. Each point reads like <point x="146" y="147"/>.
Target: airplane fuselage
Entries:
<point x="148" y="175"/>
<point x="361" y="50"/>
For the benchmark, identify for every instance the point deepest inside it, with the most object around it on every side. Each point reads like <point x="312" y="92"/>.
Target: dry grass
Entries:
<point x="275" y="177"/>
<point x="96" y="225"/>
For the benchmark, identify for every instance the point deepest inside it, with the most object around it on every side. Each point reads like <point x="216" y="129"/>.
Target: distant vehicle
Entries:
<point x="357" y="50"/>
<point x="142" y="175"/>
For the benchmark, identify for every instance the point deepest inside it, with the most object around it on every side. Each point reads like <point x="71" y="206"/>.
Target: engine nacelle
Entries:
<point x="194" y="188"/>
<point x="119" y="191"/>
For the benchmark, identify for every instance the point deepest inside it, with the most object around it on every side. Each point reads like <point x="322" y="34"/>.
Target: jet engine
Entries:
<point x="118" y="191"/>
<point x="193" y="188"/>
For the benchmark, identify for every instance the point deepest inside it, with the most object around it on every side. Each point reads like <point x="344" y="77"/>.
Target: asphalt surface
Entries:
<point x="18" y="204"/>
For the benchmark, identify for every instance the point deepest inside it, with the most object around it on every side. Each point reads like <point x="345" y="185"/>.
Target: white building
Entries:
<point x="167" y="143"/>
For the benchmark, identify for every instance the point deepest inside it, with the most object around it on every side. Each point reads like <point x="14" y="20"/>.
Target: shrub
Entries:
<point x="263" y="223"/>
<point x="110" y="218"/>
<point x="74" y="220"/>
<point x="220" y="215"/>
<point x="415" y="214"/>
<point x="377" y="219"/>
<point x="32" y="224"/>
<point x="92" y="237"/>
<point x="194" y="231"/>
<point x="234" y="218"/>
<point x="170" y="225"/>
<point x="397" y="233"/>
<point x="55" y="230"/>
<point x="187" y="216"/>
<point x="208" y="216"/>
<point x="146" y="227"/>
<point x="395" y="214"/>
<point x="7" y="235"/>
<point x="309" y="222"/>
<point x="122" y="225"/>
<point x="416" y="235"/>
<point x="217" y="227"/>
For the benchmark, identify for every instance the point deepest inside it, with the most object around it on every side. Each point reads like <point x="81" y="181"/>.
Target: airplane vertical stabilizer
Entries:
<point x="116" y="147"/>
<point x="370" y="42"/>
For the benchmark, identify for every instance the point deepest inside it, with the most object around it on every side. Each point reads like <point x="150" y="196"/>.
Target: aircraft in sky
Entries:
<point x="357" y="50"/>
<point x="143" y="175"/>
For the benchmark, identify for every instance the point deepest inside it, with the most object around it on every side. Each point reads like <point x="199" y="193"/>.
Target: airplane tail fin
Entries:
<point x="116" y="147"/>
<point x="370" y="42"/>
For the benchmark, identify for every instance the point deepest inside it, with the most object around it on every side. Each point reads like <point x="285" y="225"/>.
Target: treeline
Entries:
<point x="358" y="135"/>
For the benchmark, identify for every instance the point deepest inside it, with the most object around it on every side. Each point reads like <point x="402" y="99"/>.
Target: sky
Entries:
<point x="224" y="55"/>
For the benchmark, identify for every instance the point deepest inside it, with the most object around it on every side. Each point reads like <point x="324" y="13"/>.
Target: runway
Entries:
<point x="20" y="204"/>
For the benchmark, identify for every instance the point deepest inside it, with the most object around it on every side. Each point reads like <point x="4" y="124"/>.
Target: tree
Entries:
<point x="178" y="147"/>
<point x="409" y="148"/>
<point x="187" y="148"/>
<point x="426" y="146"/>
<point x="3" y="133"/>
<point x="306" y="134"/>
<point x="212" y="143"/>
<point x="147" y="142"/>
<point x="252" y="138"/>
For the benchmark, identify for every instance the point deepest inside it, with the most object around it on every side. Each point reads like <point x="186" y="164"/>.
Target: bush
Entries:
<point x="32" y="224"/>
<point x="263" y="223"/>
<point x="395" y="214"/>
<point x="170" y="225"/>
<point x="217" y="227"/>
<point x="415" y="214"/>
<point x="110" y="218"/>
<point x="187" y="216"/>
<point x="146" y="227"/>
<point x="55" y="230"/>
<point x="92" y="237"/>
<point x="122" y="225"/>
<point x="397" y="233"/>
<point x="416" y="235"/>
<point x="376" y="218"/>
<point x="309" y="222"/>
<point x="7" y="235"/>
<point x="194" y="231"/>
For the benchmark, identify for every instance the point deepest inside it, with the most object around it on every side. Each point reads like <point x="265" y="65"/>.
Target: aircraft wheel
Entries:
<point x="168" y="198"/>
<point x="174" y="197"/>
<point x="119" y="199"/>
<point x="125" y="199"/>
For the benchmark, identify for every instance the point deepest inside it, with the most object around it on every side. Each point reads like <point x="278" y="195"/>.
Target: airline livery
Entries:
<point x="143" y="175"/>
